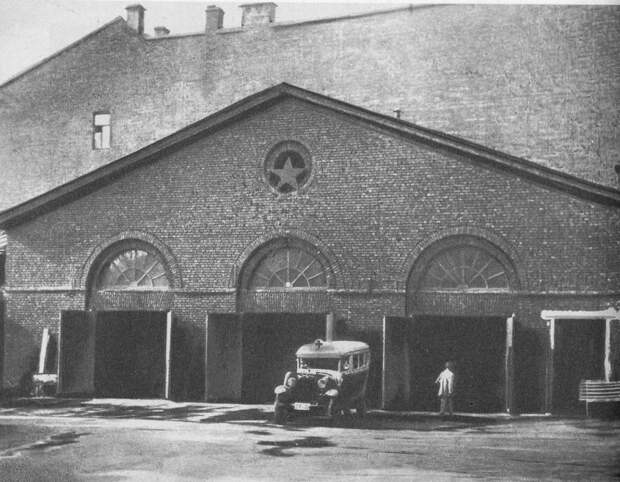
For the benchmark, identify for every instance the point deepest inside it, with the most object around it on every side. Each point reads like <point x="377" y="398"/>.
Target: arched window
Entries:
<point x="465" y="268"/>
<point x="289" y="267"/>
<point x="286" y="264"/>
<point x="138" y="267"/>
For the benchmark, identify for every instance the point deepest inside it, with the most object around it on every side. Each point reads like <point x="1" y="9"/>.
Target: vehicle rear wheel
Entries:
<point x="360" y="408"/>
<point x="279" y="414"/>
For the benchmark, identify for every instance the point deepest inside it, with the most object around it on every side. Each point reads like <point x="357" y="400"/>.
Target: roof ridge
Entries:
<point x="410" y="7"/>
<point x="465" y="145"/>
<point x="173" y="36"/>
<point x="75" y="43"/>
<point x="338" y="18"/>
<point x="276" y="25"/>
<point x="477" y="153"/>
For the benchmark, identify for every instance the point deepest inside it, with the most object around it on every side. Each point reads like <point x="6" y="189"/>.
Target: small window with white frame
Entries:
<point x="101" y="130"/>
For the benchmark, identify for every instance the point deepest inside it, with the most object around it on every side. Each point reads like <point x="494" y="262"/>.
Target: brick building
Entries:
<point x="539" y="82"/>
<point x="200" y="244"/>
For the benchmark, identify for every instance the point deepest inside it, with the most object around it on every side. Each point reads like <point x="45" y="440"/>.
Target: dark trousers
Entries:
<point x="446" y="400"/>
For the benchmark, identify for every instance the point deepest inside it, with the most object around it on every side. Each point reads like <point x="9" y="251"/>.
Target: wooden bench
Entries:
<point x="595" y="391"/>
<point x="42" y="380"/>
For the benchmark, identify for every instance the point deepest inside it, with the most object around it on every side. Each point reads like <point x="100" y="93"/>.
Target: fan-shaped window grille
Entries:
<point x="133" y="269"/>
<point x="463" y="268"/>
<point x="288" y="267"/>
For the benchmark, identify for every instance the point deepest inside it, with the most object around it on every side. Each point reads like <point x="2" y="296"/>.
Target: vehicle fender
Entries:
<point x="332" y="393"/>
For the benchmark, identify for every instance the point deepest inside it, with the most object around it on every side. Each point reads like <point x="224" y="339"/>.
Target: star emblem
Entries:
<point x="288" y="174"/>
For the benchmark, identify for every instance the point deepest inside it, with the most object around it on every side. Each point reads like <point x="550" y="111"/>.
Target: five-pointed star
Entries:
<point x="288" y="174"/>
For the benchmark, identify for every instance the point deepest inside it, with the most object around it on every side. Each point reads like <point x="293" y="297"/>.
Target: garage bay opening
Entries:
<point x="476" y="346"/>
<point x="118" y="354"/>
<point x="248" y="354"/>
<point x="130" y="355"/>
<point x="416" y="350"/>
<point x="269" y="345"/>
<point x="578" y="355"/>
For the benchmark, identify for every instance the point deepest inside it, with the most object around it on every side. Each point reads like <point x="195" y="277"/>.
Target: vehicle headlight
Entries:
<point x="291" y="382"/>
<point x="322" y="383"/>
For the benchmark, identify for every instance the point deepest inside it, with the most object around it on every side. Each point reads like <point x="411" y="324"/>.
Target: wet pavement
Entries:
<point x="160" y="440"/>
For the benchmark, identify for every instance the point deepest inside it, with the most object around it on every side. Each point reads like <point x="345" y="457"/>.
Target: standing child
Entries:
<point x="446" y="388"/>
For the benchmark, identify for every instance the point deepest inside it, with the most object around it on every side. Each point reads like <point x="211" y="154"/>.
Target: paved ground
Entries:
<point x="104" y="440"/>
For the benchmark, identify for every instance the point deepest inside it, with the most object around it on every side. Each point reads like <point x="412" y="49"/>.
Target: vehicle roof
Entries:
<point x="328" y="349"/>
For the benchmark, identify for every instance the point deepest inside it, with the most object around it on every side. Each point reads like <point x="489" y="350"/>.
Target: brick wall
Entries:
<point x="536" y="81"/>
<point x="404" y="194"/>
<point x="47" y="115"/>
<point x="373" y="199"/>
<point x="27" y="313"/>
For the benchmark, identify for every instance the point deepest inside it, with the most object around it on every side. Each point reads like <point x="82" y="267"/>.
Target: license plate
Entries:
<point x="301" y="406"/>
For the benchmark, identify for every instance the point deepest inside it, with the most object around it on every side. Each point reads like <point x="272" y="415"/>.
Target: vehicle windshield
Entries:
<point x="319" y="363"/>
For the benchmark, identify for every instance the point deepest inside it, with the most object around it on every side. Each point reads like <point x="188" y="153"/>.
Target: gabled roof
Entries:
<point x="299" y="23"/>
<point x="146" y="37"/>
<point x="476" y="153"/>
<point x="72" y="45"/>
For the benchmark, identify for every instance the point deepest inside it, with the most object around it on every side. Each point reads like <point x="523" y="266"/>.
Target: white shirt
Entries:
<point x="446" y="382"/>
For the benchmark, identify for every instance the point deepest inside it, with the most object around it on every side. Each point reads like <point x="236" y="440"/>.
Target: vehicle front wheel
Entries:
<point x="279" y="414"/>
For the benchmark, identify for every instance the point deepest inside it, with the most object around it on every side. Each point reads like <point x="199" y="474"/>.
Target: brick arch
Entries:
<point x="511" y="257"/>
<point x="337" y="277"/>
<point x="82" y="279"/>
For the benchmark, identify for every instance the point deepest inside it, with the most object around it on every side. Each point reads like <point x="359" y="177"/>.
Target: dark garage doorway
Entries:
<point x="476" y="345"/>
<point x="578" y="355"/>
<point x="248" y="354"/>
<point x="270" y="341"/>
<point x="130" y="354"/>
<point x="120" y="354"/>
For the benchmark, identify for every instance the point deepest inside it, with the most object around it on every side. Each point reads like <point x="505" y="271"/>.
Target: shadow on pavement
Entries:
<point x="277" y="447"/>
<point x="50" y="442"/>
<point x="157" y="410"/>
<point x="257" y="416"/>
<point x="394" y="421"/>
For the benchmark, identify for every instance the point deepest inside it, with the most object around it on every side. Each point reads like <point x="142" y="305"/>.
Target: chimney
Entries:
<point x="258" y="14"/>
<point x="161" y="31"/>
<point x="135" y="17"/>
<point x="215" y="18"/>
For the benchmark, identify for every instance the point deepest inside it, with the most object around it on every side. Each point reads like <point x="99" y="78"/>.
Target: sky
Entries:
<point x="31" y="30"/>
